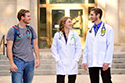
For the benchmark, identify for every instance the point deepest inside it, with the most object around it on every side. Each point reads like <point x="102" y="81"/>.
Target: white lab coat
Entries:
<point x="66" y="55"/>
<point x="99" y="49"/>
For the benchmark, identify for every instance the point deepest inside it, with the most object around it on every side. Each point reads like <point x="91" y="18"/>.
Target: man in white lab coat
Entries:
<point x="98" y="50"/>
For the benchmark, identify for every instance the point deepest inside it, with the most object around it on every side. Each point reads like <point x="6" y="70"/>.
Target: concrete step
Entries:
<point x="48" y="64"/>
<point x="80" y="71"/>
<point x="115" y="60"/>
<point x="48" y="55"/>
<point x="52" y="61"/>
<point x="118" y="60"/>
<point x="114" y="66"/>
<point x="119" y="47"/>
<point x="3" y="57"/>
<point x="5" y="72"/>
<point x="119" y="55"/>
<point x="118" y="66"/>
<point x="113" y="71"/>
<point x="118" y="71"/>
<point x="53" y="72"/>
<point x="53" y="66"/>
<point x="4" y="62"/>
<point x="4" y="67"/>
<point x="45" y="72"/>
<point x="43" y="61"/>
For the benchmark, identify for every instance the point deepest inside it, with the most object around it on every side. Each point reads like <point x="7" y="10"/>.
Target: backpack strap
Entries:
<point x="15" y="31"/>
<point x="16" y="28"/>
<point x="31" y="29"/>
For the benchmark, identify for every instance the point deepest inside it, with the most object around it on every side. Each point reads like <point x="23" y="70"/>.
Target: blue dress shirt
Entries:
<point x="98" y="26"/>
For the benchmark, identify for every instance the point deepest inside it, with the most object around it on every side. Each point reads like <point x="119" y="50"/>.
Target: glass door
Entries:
<point x="50" y="12"/>
<point x="56" y="16"/>
<point x="42" y="30"/>
<point x="77" y="16"/>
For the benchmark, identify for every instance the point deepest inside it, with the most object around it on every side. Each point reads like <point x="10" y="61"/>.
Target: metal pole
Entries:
<point x="3" y="44"/>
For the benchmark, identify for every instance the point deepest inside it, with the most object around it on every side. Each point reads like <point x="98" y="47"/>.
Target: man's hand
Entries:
<point x="84" y="66"/>
<point x="36" y="50"/>
<point x="105" y="66"/>
<point x="37" y="63"/>
<point x="13" y="67"/>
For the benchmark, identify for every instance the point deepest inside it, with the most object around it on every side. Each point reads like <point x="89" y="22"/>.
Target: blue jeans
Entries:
<point x="24" y="73"/>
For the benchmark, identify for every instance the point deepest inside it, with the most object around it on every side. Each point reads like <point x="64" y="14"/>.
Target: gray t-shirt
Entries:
<point x="22" y="47"/>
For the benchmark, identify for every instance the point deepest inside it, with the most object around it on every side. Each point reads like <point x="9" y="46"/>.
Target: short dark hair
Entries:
<point x="22" y="13"/>
<point x="97" y="11"/>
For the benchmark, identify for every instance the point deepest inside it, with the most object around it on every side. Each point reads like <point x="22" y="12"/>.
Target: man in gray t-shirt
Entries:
<point x="20" y="51"/>
<point x="22" y="47"/>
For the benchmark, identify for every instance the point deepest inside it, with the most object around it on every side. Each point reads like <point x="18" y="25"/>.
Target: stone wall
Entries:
<point x="122" y="20"/>
<point x="7" y="15"/>
<point x="113" y="15"/>
<point x="110" y="16"/>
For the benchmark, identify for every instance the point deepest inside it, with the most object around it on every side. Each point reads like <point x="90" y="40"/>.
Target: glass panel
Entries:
<point x="90" y="24"/>
<point x="91" y="1"/>
<point x="89" y="11"/>
<point x="42" y="44"/>
<point x="42" y="22"/>
<point x="66" y="1"/>
<point x="42" y="1"/>
<point x="56" y="16"/>
<point x="77" y="20"/>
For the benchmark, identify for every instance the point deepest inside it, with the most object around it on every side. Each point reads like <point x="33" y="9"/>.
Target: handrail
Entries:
<point x="3" y="40"/>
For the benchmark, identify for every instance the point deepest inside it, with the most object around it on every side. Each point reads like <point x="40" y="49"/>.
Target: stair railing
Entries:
<point x="3" y="41"/>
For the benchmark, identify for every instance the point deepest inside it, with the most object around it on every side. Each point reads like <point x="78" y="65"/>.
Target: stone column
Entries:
<point x="101" y="4"/>
<point x="111" y="17"/>
<point x="34" y="14"/>
<point x="7" y="15"/>
<point x="23" y="4"/>
<point x="32" y="6"/>
<point x="122" y="21"/>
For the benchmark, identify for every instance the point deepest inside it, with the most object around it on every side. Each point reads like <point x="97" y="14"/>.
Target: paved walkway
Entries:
<point x="52" y="79"/>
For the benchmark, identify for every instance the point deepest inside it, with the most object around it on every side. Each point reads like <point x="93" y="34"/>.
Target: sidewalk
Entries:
<point x="52" y="79"/>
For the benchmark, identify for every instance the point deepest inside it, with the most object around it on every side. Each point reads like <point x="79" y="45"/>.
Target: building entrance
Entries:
<point x="77" y="15"/>
<point x="51" y="12"/>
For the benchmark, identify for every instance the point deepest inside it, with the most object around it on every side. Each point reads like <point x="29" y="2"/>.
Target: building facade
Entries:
<point x="45" y="16"/>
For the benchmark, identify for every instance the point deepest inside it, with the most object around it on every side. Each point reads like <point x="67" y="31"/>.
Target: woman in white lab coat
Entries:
<point x="66" y="49"/>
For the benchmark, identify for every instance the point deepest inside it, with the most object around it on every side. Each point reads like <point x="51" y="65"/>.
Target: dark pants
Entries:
<point x="94" y="75"/>
<point x="61" y="78"/>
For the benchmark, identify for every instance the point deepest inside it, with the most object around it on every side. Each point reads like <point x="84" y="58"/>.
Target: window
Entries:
<point x="42" y="22"/>
<point x="66" y="1"/>
<point x="91" y="1"/>
<point x="42" y="1"/>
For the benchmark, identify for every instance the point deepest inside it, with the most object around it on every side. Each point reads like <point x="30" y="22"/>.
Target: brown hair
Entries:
<point x="22" y="13"/>
<point x="62" y="22"/>
<point x="97" y="11"/>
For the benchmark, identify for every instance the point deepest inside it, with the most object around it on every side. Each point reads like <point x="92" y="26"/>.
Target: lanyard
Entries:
<point x="27" y="32"/>
<point x="59" y="35"/>
<point x="72" y="37"/>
